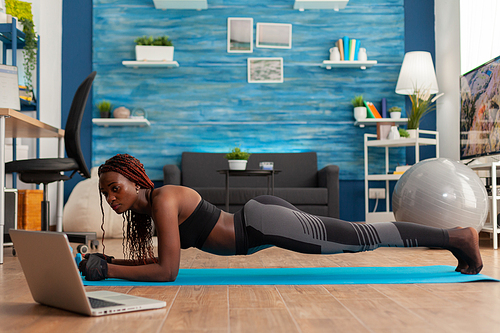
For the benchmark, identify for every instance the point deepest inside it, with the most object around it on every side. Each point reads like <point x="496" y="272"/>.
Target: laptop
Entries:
<point x="54" y="279"/>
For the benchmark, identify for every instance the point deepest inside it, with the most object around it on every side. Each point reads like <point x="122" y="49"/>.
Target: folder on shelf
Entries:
<point x="346" y="47"/>
<point x="374" y="110"/>
<point x="369" y="113"/>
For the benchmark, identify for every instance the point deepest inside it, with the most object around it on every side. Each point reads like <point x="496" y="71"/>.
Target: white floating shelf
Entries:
<point x="328" y="64"/>
<point x="336" y="5"/>
<point x="181" y="4"/>
<point x="137" y="64"/>
<point x="121" y="122"/>
<point x="374" y="121"/>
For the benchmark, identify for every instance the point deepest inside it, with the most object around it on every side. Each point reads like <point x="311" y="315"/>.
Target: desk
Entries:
<point x="249" y="173"/>
<point x="14" y="124"/>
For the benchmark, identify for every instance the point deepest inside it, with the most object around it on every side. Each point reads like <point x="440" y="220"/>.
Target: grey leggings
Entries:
<point x="270" y="221"/>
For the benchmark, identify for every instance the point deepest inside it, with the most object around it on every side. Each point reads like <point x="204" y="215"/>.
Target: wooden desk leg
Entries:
<point x="227" y="191"/>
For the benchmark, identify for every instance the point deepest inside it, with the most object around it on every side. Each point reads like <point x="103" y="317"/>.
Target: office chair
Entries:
<point x="48" y="170"/>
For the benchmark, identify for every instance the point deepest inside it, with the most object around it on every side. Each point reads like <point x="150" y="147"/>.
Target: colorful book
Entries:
<point x="346" y="47"/>
<point x="356" y="51"/>
<point x="340" y="45"/>
<point x="374" y="110"/>
<point x="384" y="107"/>
<point x="369" y="113"/>
<point x="352" y="48"/>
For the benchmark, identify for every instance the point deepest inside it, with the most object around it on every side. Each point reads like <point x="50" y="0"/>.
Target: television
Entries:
<point x="479" y="116"/>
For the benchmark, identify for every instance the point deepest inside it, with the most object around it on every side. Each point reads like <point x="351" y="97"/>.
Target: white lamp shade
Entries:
<point x="417" y="73"/>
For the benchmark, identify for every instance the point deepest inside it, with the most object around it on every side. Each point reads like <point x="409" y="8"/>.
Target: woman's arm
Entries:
<point x="165" y="213"/>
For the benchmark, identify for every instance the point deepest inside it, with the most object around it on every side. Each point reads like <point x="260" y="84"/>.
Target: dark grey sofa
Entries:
<point x="299" y="182"/>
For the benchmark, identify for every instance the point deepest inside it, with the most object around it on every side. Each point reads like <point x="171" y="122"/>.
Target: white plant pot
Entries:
<point x="237" y="164"/>
<point x="360" y="113"/>
<point x="154" y="53"/>
<point x="413" y="133"/>
<point x="395" y="115"/>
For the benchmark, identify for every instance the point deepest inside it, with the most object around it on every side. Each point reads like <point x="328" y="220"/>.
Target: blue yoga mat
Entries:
<point x="307" y="276"/>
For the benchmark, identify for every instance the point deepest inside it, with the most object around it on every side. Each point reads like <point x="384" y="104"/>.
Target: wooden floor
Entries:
<point x="459" y="307"/>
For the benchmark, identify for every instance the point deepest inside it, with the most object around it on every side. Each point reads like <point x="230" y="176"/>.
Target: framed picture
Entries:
<point x="274" y="35"/>
<point x="265" y="70"/>
<point x="240" y="34"/>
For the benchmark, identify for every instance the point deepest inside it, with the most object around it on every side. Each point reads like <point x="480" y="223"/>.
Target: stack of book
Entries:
<point x="348" y="48"/>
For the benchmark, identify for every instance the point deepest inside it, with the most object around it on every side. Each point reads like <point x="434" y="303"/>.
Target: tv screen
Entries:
<point x="479" y="116"/>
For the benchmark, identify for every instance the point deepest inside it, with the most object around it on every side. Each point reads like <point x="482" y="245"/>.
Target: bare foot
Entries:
<point x="464" y="244"/>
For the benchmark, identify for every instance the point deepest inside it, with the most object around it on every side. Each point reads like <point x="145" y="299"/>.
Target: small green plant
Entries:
<point x="357" y="101"/>
<point x="22" y="10"/>
<point x="158" y="41"/>
<point x="395" y="109"/>
<point x="237" y="154"/>
<point x="104" y="108"/>
<point x="403" y="133"/>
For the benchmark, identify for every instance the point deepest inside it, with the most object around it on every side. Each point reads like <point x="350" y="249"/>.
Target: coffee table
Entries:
<point x="249" y="173"/>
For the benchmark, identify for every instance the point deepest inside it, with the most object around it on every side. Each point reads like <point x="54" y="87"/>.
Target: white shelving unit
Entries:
<point x="328" y="64"/>
<point x="370" y="141"/>
<point x="137" y="64"/>
<point x="121" y="122"/>
<point x="374" y="121"/>
<point x="491" y="226"/>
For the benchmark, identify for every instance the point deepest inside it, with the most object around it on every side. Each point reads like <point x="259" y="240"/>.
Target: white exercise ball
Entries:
<point x="441" y="193"/>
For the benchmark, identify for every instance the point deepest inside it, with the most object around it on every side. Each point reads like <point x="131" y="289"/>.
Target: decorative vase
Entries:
<point x="121" y="112"/>
<point x="237" y="164"/>
<point x="360" y="113"/>
<point x="334" y="54"/>
<point x="413" y="133"/>
<point x="394" y="133"/>
<point x="395" y="115"/>
<point x="362" y="56"/>
<point x="154" y="53"/>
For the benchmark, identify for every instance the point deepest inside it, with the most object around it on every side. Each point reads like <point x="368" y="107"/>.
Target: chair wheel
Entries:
<point x="82" y="249"/>
<point x="14" y="252"/>
<point x="94" y="244"/>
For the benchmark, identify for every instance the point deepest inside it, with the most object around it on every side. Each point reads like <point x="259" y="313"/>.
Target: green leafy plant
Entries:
<point x="158" y="41"/>
<point x="22" y="10"/>
<point x="421" y="104"/>
<point x="403" y="133"/>
<point x="237" y="154"/>
<point x="395" y="109"/>
<point x="357" y="101"/>
<point x="104" y="108"/>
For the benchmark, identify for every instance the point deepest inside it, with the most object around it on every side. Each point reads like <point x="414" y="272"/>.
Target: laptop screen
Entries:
<point x="9" y="88"/>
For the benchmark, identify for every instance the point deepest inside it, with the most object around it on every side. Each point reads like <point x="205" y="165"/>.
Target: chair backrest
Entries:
<point x="74" y="122"/>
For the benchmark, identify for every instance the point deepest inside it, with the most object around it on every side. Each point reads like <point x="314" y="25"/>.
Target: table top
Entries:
<point x="19" y="125"/>
<point x="249" y="172"/>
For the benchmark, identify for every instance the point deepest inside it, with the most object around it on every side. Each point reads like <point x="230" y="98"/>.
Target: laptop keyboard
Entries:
<point x="96" y="303"/>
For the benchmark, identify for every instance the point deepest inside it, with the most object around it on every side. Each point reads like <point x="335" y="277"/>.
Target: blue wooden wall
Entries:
<point x="207" y="105"/>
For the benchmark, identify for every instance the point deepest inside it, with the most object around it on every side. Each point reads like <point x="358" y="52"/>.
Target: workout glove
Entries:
<point x="94" y="268"/>
<point x="100" y="255"/>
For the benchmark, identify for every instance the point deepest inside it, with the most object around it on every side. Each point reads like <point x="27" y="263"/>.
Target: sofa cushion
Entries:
<point x="239" y="196"/>
<point x="297" y="170"/>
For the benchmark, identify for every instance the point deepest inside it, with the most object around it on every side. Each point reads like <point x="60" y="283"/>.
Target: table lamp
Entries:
<point x="417" y="74"/>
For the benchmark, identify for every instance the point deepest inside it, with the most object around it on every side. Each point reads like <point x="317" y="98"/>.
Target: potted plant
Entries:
<point x="359" y="108"/>
<point x="22" y="10"/>
<point x="154" y="49"/>
<point x="395" y="112"/>
<point x="403" y="133"/>
<point x="104" y="109"/>
<point x="237" y="159"/>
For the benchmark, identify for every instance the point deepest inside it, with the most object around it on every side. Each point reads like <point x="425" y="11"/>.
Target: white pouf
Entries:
<point x="82" y="212"/>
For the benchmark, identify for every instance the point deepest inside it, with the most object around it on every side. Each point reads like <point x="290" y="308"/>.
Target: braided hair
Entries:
<point x="138" y="236"/>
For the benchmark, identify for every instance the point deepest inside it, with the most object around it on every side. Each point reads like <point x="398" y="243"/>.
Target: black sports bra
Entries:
<point x="195" y="230"/>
